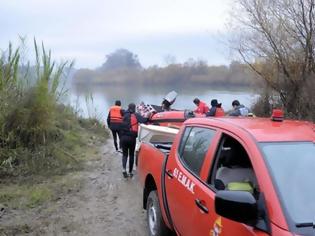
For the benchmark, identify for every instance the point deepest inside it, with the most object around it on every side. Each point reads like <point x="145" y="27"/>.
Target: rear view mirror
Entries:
<point x="240" y="206"/>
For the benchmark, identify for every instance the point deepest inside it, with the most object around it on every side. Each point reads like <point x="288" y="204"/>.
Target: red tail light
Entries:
<point x="277" y="115"/>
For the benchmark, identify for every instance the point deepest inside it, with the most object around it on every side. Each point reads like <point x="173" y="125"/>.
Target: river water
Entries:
<point x="95" y="101"/>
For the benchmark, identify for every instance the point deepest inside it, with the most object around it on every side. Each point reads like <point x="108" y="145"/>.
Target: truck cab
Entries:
<point x="231" y="176"/>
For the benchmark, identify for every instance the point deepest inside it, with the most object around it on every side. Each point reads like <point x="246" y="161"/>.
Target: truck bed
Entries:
<point x="159" y="136"/>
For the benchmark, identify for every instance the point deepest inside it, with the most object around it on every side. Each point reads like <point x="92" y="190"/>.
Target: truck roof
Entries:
<point x="264" y="129"/>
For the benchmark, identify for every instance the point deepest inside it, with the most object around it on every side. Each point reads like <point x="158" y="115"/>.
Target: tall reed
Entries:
<point x="32" y="121"/>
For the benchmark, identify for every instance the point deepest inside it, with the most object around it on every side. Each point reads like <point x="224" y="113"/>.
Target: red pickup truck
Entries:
<point x="230" y="176"/>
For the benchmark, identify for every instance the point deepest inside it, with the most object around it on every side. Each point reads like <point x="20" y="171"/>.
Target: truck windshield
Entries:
<point x="292" y="166"/>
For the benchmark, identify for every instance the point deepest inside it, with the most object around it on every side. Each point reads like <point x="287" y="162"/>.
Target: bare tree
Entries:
<point x="276" y="39"/>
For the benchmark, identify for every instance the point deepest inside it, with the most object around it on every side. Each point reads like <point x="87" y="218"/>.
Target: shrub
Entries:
<point x="37" y="134"/>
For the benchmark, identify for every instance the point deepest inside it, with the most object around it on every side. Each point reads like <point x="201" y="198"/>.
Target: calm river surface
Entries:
<point x="95" y="101"/>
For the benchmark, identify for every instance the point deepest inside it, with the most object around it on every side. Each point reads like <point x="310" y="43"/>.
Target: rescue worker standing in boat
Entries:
<point x="129" y="133"/>
<point x="216" y="109"/>
<point x="202" y="107"/>
<point x="114" y="122"/>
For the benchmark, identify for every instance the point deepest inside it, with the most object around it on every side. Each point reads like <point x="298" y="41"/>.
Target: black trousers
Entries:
<point x="128" y="147"/>
<point x="116" y="133"/>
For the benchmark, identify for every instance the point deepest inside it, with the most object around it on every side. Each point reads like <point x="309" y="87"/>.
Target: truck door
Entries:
<point x="231" y="168"/>
<point x="183" y="176"/>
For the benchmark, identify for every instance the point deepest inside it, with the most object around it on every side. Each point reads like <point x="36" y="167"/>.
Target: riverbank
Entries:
<point x="95" y="200"/>
<point x="57" y="176"/>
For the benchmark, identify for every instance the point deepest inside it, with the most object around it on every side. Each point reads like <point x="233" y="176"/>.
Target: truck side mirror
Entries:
<point x="240" y="206"/>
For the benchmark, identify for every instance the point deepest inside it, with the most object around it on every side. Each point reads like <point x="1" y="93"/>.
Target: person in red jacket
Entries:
<point x="216" y="109"/>
<point x="202" y="107"/>
<point x="114" y="122"/>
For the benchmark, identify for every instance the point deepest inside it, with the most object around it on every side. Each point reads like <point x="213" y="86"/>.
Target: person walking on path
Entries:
<point x="129" y="133"/>
<point x="202" y="107"/>
<point x="216" y="109"/>
<point x="114" y="122"/>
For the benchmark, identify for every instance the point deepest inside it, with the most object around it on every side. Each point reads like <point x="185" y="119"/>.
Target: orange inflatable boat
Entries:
<point x="172" y="118"/>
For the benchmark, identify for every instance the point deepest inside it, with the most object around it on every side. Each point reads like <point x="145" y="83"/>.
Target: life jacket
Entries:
<point x="133" y="123"/>
<point x="115" y="114"/>
<point x="219" y="112"/>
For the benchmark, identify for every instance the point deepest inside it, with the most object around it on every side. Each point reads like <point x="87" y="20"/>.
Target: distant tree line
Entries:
<point x="123" y="67"/>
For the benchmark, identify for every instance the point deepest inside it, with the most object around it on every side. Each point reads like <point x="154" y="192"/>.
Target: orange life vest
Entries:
<point x="219" y="112"/>
<point x="115" y="114"/>
<point x="133" y="123"/>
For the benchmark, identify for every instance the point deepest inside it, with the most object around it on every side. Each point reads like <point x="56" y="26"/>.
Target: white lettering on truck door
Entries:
<point x="184" y="180"/>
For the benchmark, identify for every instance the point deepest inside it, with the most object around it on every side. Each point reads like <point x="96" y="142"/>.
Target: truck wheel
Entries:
<point x="155" y="220"/>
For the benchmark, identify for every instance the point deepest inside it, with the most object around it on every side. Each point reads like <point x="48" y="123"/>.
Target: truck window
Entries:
<point x="194" y="146"/>
<point x="232" y="169"/>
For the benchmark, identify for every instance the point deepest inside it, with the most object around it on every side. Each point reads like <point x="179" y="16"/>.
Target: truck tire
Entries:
<point x="156" y="225"/>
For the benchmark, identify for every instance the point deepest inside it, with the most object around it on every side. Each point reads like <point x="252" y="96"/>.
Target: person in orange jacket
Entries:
<point x="216" y="109"/>
<point x="202" y="107"/>
<point x="114" y="122"/>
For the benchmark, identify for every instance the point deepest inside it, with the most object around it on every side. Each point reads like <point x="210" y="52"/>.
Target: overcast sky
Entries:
<point x="88" y="30"/>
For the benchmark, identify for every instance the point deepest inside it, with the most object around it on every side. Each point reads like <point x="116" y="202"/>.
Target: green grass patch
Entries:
<point x="35" y="192"/>
<point x="24" y="196"/>
<point x="39" y="195"/>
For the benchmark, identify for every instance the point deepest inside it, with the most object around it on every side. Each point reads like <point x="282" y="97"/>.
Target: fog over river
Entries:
<point x="95" y="101"/>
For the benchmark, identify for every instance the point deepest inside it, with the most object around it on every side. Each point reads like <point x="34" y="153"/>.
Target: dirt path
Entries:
<point x="105" y="204"/>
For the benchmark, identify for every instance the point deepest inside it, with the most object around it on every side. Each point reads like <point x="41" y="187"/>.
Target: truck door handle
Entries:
<point x="201" y="206"/>
<point x="169" y="174"/>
